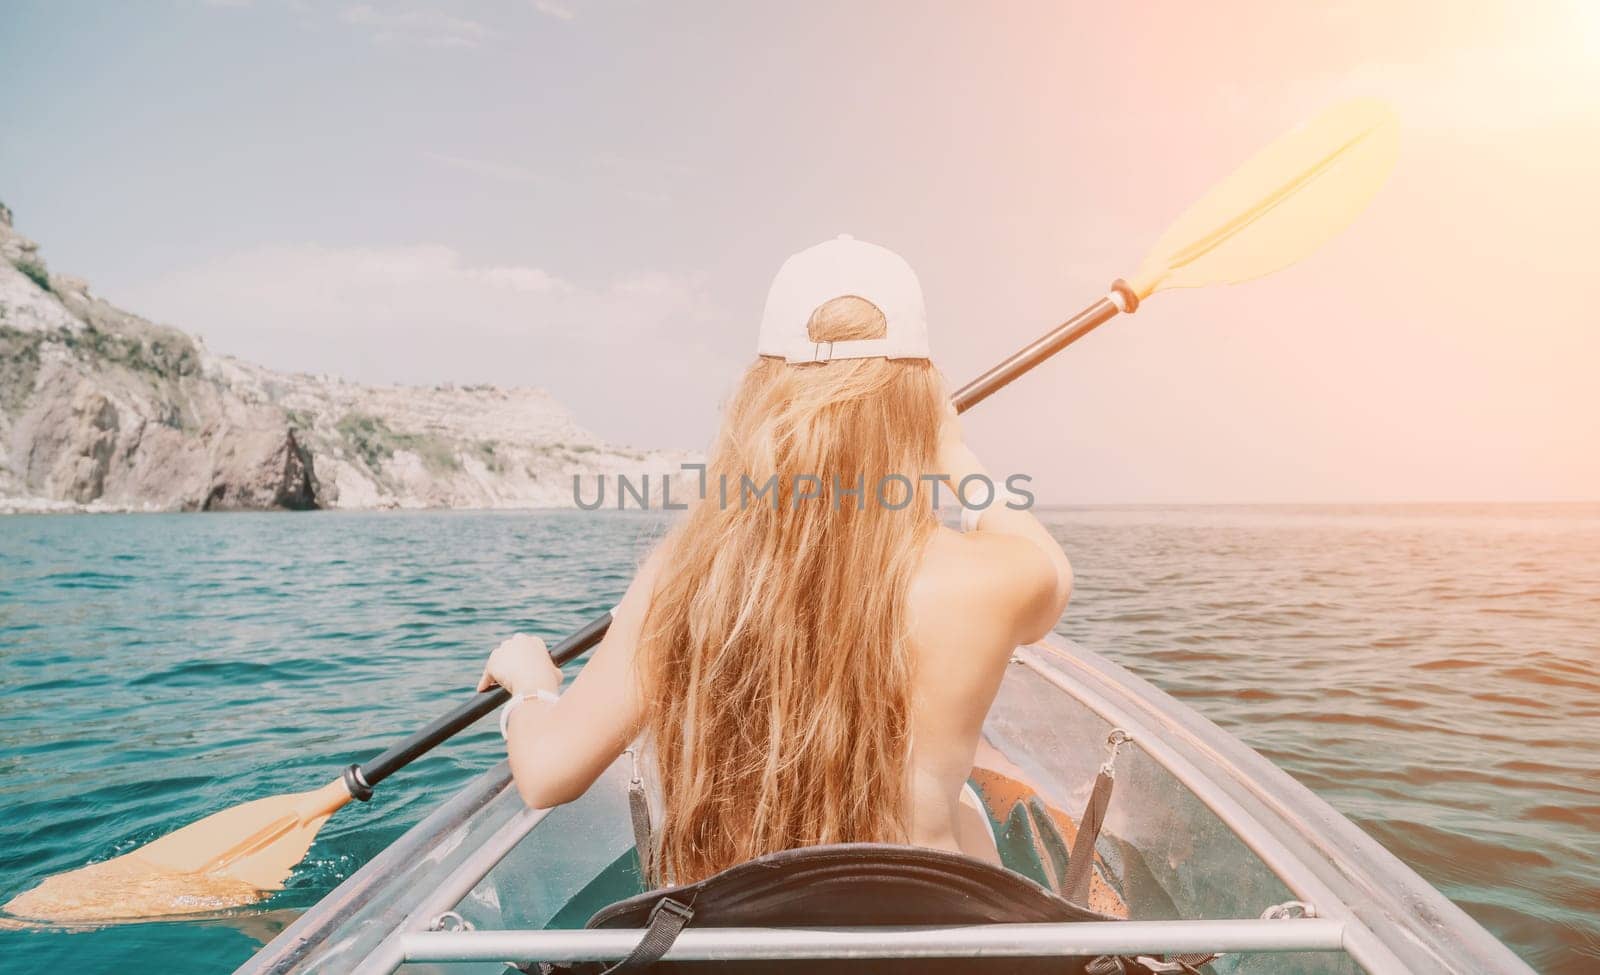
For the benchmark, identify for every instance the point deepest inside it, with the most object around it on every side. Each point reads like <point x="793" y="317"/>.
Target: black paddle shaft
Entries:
<point x="361" y="778"/>
<point x="403" y="753"/>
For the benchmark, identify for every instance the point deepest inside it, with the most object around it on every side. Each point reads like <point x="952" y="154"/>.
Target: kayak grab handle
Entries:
<point x="360" y="779"/>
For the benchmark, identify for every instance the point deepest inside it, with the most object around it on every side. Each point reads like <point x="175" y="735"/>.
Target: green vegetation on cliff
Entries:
<point x="375" y="442"/>
<point x="165" y="356"/>
<point x="34" y="269"/>
<point x="19" y="364"/>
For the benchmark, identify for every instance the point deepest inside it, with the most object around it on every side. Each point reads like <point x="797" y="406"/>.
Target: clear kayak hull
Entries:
<point x="1200" y="827"/>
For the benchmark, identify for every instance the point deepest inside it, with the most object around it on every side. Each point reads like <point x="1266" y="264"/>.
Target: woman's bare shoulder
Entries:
<point x="983" y="581"/>
<point x="984" y="562"/>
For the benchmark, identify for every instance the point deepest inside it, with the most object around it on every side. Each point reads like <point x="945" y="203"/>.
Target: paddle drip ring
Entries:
<point x="1130" y="298"/>
<point x="357" y="783"/>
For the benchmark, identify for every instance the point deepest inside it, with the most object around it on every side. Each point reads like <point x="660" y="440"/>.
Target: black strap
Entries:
<point x="639" y="812"/>
<point x="1148" y="964"/>
<point x="1080" y="862"/>
<point x="667" y="921"/>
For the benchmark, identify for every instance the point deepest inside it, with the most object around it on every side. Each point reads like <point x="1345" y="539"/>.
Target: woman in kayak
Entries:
<point x="811" y="663"/>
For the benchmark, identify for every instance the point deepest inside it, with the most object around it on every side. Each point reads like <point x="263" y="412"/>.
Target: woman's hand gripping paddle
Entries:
<point x="1274" y="210"/>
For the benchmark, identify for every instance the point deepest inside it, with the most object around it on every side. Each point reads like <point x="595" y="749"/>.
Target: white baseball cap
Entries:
<point x="838" y="268"/>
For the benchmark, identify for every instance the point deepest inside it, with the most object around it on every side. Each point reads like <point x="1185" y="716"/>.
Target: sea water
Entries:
<point x="1433" y="672"/>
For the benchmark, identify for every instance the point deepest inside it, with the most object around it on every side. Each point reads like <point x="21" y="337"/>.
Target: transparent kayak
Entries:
<point x="1206" y="847"/>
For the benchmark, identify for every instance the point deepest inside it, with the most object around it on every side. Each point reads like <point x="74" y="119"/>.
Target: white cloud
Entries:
<point x="628" y="355"/>
<point x="390" y="24"/>
<point x="510" y="172"/>
<point x="529" y="279"/>
<point x="552" y="9"/>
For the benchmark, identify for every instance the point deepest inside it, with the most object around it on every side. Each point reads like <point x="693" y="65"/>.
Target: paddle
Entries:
<point x="1272" y="211"/>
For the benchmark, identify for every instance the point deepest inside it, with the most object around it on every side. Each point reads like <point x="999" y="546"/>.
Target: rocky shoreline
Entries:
<point x="102" y="411"/>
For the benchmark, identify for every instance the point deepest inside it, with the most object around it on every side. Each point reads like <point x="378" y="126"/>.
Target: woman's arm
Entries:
<point x="1035" y="568"/>
<point x="557" y="749"/>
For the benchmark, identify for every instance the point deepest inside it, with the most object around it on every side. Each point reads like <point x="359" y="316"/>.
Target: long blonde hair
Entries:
<point x="774" y="658"/>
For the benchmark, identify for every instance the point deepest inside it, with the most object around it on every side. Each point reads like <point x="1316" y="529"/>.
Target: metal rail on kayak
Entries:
<point x="966" y="941"/>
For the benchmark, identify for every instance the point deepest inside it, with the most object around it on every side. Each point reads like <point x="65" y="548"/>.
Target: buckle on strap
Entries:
<point x="680" y="912"/>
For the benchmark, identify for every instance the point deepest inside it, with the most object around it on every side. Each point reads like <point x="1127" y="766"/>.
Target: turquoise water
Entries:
<point x="1433" y="672"/>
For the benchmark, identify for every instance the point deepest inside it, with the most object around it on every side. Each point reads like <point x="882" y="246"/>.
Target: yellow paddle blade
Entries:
<point x="1281" y="205"/>
<point x="228" y="859"/>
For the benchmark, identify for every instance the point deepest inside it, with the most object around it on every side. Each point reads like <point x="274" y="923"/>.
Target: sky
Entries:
<point x="591" y="197"/>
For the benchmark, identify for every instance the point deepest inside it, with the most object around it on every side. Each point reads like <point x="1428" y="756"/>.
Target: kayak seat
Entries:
<point x="845" y="885"/>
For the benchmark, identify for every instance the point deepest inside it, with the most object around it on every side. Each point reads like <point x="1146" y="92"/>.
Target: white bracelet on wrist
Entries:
<point x="1009" y="498"/>
<point x="549" y="697"/>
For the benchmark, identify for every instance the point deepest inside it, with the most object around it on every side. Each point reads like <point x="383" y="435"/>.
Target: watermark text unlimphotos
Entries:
<point x="892" y="491"/>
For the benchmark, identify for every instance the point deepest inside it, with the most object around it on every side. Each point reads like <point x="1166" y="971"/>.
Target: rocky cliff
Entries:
<point x="103" y="410"/>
